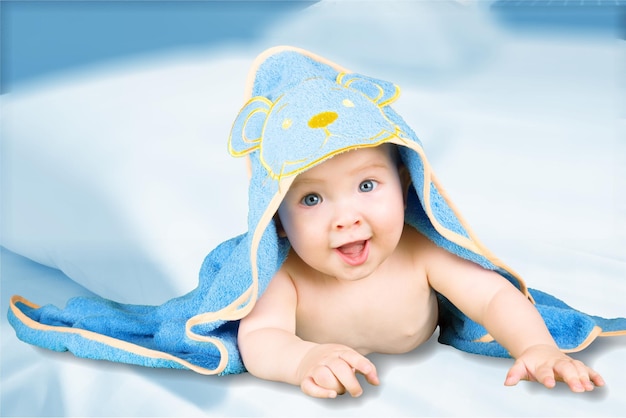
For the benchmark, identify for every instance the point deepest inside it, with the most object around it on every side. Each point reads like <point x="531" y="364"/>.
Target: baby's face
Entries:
<point x="345" y="216"/>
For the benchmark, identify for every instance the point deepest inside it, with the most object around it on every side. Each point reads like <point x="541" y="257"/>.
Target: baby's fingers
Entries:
<point x="595" y="377"/>
<point x="361" y="365"/>
<point x="577" y="376"/>
<point x="574" y="373"/>
<point x="519" y="372"/>
<point x="311" y="388"/>
<point x="331" y="379"/>
<point x="346" y="376"/>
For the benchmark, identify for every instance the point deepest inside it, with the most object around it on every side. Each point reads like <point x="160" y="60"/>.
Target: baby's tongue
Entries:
<point x="352" y="248"/>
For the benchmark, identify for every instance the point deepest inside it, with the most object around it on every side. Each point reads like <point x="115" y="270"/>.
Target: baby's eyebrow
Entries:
<point x="369" y="166"/>
<point x="306" y="182"/>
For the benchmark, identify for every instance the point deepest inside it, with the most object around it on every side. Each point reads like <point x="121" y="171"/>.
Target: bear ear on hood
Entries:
<point x="380" y="92"/>
<point x="247" y="130"/>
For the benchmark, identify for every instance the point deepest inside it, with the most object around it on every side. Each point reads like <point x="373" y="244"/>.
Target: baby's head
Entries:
<point x="346" y="215"/>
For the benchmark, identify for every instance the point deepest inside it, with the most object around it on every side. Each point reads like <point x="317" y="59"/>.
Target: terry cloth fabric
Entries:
<point x="302" y="110"/>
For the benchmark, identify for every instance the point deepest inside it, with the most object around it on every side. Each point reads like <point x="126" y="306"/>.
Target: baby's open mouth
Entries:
<point x="354" y="253"/>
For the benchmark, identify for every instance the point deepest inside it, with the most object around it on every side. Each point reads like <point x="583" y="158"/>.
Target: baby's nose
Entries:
<point x="323" y="119"/>
<point x="347" y="218"/>
<point x="348" y="223"/>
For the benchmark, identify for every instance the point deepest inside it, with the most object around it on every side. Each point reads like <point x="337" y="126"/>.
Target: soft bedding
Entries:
<point x="553" y="215"/>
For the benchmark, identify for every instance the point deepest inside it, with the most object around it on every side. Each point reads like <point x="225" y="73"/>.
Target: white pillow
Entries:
<point x="121" y="178"/>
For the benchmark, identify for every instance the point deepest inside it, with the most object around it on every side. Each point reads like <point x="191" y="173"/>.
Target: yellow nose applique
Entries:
<point x="322" y="120"/>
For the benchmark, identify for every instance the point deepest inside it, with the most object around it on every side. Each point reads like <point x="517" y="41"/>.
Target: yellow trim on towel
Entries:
<point x="595" y="332"/>
<point x="114" y="342"/>
<point x="612" y="333"/>
<point x="487" y="338"/>
<point x="380" y="104"/>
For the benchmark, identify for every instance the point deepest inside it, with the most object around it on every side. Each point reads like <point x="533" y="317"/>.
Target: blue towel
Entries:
<point x="292" y="92"/>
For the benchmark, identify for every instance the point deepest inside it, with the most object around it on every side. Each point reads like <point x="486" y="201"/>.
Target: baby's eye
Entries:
<point x="311" y="199"/>
<point x="368" y="186"/>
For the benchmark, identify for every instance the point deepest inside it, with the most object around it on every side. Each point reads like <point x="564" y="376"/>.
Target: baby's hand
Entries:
<point x="546" y="364"/>
<point x="329" y="370"/>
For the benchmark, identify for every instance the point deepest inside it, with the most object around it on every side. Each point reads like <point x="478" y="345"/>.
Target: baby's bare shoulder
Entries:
<point x="417" y="244"/>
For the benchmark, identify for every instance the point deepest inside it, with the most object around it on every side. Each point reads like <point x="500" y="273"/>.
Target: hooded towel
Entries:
<point x="302" y="110"/>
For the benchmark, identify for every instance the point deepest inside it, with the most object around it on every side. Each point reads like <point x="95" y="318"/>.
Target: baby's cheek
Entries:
<point x="304" y="237"/>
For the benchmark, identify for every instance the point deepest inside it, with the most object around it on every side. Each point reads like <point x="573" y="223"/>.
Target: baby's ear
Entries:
<point x="245" y="135"/>
<point x="279" y="226"/>
<point x="380" y="92"/>
<point x="405" y="181"/>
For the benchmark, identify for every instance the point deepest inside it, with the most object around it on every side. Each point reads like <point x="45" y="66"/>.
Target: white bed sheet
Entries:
<point x="531" y="149"/>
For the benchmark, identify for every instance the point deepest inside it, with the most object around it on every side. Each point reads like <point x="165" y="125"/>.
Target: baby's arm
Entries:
<point x="489" y="299"/>
<point x="271" y="350"/>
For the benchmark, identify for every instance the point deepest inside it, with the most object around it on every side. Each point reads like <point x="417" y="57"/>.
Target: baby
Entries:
<point x="359" y="280"/>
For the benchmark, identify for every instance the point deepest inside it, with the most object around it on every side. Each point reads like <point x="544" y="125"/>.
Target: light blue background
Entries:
<point x="40" y="38"/>
<point x="524" y="129"/>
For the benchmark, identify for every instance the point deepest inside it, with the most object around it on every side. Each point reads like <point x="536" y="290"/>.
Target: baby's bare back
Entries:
<point x="392" y="311"/>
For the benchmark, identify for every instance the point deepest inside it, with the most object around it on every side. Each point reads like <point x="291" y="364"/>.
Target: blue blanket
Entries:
<point x="198" y="331"/>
